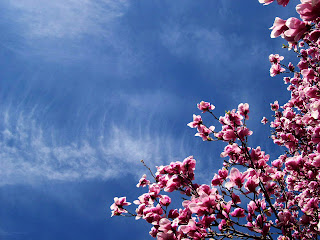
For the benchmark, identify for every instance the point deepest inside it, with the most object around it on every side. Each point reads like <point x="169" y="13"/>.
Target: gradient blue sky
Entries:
<point x="90" y="87"/>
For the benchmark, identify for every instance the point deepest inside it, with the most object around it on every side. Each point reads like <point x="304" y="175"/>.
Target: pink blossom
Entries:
<point x="229" y="134"/>
<point x="252" y="183"/>
<point x="283" y="2"/>
<point x="308" y="74"/>
<point x="165" y="236"/>
<point x="197" y="121"/>
<point x="207" y="220"/>
<point x="238" y="212"/>
<point x="235" y="198"/>
<point x="143" y="182"/>
<point x="222" y="224"/>
<point x="280" y="2"/>
<point x="291" y="67"/>
<point x="243" y="132"/>
<point x="264" y="120"/>
<point x="309" y="10"/>
<point x="278" y="28"/>
<point x="217" y="180"/>
<point x="312" y="92"/>
<point x="252" y="207"/>
<point x="275" y="58"/>
<point x="164" y="225"/>
<point x="205" y="106"/>
<point x="314" y="35"/>
<point x="265" y="2"/>
<point x="117" y="206"/>
<point x="311" y="205"/>
<point x="296" y="29"/>
<point x="154" y="190"/>
<point x="274" y="106"/>
<point x="223" y="173"/>
<point x="316" y="161"/>
<point x="243" y="109"/>
<point x="276" y="69"/>
<point x="173" y="213"/>
<point x="294" y="163"/>
<point x="188" y="165"/>
<point x="283" y="238"/>
<point x="315" y="108"/>
<point x="204" y="132"/>
<point x="236" y="178"/>
<point x="191" y="226"/>
<point x="165" y="200"/>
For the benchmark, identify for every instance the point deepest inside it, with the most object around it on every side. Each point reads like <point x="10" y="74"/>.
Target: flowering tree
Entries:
<point x="251" y="197"/>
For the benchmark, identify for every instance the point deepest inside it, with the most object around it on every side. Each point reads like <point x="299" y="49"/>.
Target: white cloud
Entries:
<point x="66" y="18"/>
<point x="30" y="154"/>
<point x="68" y="30"/>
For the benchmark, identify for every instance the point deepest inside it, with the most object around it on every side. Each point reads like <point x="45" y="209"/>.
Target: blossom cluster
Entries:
<point x="251" y="196"/>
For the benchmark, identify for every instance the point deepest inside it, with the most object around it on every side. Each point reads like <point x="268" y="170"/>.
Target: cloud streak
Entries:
<point x="31" y="152"/>
<point x="64" y="30"/>
<point x="66" y="18"/>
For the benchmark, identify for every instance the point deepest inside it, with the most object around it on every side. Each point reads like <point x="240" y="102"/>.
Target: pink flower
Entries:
<point x="243" y="109"/>
<point x="278" y="28"/>
<point x="235" y="198"/>
<point x="280" y="2"/>
<point x="264" y="120"/>
<point x="316" y="161"/>
<point x="229" y="134"/>
<point x="223" y="173"/>
<point x="173" y="213"/>
<point x="314" y="35"/>
<point x="188" y="165"/>
<point x="266" y="2"/>
<point x="283" y="2"/>
<point x="243" y="132"/>
<point x="309" y="10"/>
<point x="165" y="226"/>
<point x="191" y="226"/>
<point x="204" y="132"/>
<point x="276" y="69"/>
<point x="222" y="224"/>
<point x="238" y="212"/>
<point x="275" y="58"/>
<point x="274" y="106"/>
<point x="309" y="74"/>
<point x="294" y="163"/>
<point x="312" y="92"/>
<point x="165" y="200"/>
<point x="205" y="106"/>
<point x="296" y="29"/>
<point x="197" y="121"/>
<point x="283" y="238"/>
<point x="154" y="190"/>
<point x="252" y="183"/>
<point x="217" y="180"/>
<point x="236" y="178"/>
<point x="231" y="150"/>
<point x="291" y="68"/>
<point x="252" y="206"/>
<point x="314" y="109"/>
<point x="117" y="206"/>
<point x="143" y="182"/>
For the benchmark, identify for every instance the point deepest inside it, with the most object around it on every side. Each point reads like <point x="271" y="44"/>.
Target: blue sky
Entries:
<point x="90" y="87"/>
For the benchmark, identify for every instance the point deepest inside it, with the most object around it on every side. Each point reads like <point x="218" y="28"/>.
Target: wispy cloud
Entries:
<point x="31" y="152"/>
<point x="66" y="18"/>
<point x="64" y="29"/>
